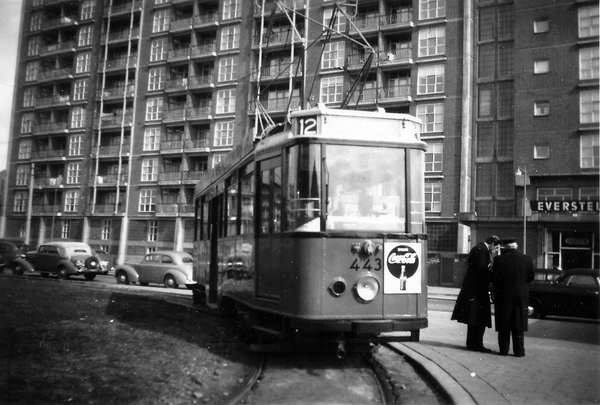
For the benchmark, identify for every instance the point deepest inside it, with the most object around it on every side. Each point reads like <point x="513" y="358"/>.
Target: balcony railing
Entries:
<point x="48" y="127"/>
<point x="172" y="145"/>
<point x="177" y="84"/>
<point x="206" y="19"/>
<point x="200" y="112"/>
<point x="117" y="91"/>
<point x="120" y="62"/>
<point x="196" y="143"/>
<point x="181" y="25"/>
<point x="180" y="53"/>
<point x="173" y="209"/>
<point x="111" y="150"/>
<point x="111" y="120"/>
<point x="55" y="73"/>
<point x="54" y="100"/>
<point x="279" y="37"/>
<point x="123" y="35"/>
<point x="201" y="81"/>
<point x="169" y="176"/>
<point x="45" y="209"/>
<point x="204" y="50"/>
<point x="401" y="92"/>
<point x="193" y="175"/>
<point x="48" y="154"/>
<point x="109" y="179"/>
<point x="61" y="46"/>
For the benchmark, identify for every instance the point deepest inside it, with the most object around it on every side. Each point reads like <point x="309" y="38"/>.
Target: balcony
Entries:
<point x="199" y="82"/>
<point x="172" y="146"/>
<point x="175" y="114"/>
<point x="401" y="18"/>
<point x="271" y="5"/>
<point x="167" y="209"/>
<point x="46" y="209"/>
<point x="274" y="105"/>
<point x="58" y="22"/>
<point x="122" y="8"/>
<point x="181" y="25"/>
<point x="111" y="150"/>
<point x="357" y="60"/>
<point x="114" y="120"/>
<point x="402" y="56"/>
<point x="116" y="92"/>
<point x="169" y="178"/>
<point x="365" y="23"/>
<point x="276" y="71"/>
<point x="118" y="63"/>
<point x="200" y="113"/>
<point x="204" y="51"/>
<point x="277" y="38"/>
<point x="54" y="74"/>
<point x="53" y="101"/>
<point x="68" y="46"/>
<point x="206" y="20"/>
<point x="106" y="209"/>
<point x="50" y="127"/>
<point x="382" y="95"/>
<point x="192" y="177"/>
<point x="48" y="154"/>
<point x="179" y="54"/>
<point x="122" y="35"/>
<point x="180" y="84"/>
<point x="47" y="181"/>
<point x="109" y="180"/>
<point x="197" y="145"/>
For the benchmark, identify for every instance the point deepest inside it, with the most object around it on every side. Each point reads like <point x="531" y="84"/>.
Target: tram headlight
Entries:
<point x="367" y="287"/>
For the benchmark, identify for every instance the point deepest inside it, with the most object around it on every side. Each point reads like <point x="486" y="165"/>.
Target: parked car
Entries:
<point x="574" y="293"/>
<point x="107" y="262"/>
<point x="170" y="268"/>
<point x="546" y="275"/>
<point x="12" y="257"/>
<point x="65" y="259"/>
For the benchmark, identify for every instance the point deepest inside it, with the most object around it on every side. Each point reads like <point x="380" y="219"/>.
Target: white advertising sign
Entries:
<point x="402" y="268"/>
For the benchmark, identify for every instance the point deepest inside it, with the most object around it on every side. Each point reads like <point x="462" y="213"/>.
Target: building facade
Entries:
<point x="121" y="106"/>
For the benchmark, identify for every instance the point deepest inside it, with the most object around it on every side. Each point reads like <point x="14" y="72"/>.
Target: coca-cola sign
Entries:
<point x="403" y="256"/>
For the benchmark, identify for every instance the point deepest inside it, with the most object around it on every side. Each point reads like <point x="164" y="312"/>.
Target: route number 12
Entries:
<point x="307" y="125"/>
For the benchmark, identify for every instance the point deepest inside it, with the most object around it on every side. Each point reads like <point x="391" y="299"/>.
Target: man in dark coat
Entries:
<point x="473" y="302"/>
<point x="511" y="272"/>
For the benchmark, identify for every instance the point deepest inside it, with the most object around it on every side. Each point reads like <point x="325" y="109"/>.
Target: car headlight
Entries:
<point x="367" y="287"/>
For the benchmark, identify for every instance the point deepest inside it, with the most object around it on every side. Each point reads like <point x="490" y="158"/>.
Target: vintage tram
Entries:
<point x="317" y="232"/>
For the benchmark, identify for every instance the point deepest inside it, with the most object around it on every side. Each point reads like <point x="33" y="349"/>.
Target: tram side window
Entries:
<point x="231" y="205"/>
<point x="247" y="200"/>
<point x="204" y="232"/>
<point x="270" y="197"/>
<point x="304" y="188"/>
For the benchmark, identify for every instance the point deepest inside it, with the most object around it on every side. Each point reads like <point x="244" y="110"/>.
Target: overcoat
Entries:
<point x="511" y="272"/>
<point x="473" y="302"/>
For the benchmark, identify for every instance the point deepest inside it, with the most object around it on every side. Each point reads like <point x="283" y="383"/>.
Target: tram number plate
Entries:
<point x="307" y="125"/>
<point x="368" y="265"/>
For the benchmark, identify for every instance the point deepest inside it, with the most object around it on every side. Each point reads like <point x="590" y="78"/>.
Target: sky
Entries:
<point x="10" y="16"/>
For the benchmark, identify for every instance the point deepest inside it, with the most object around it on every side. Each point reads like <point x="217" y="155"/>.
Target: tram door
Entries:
<point x="214" y="207"/>
<point x="269" y="256"/>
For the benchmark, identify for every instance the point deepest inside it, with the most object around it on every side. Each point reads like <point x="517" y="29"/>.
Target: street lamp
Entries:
<point x="522" y="179"/>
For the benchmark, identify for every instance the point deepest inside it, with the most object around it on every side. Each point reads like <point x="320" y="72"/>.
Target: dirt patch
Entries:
<point x="65" y="342"/>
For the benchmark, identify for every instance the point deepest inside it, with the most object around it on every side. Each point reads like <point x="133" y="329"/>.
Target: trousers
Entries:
<point x="518" y="339"/>
<point x="475" y="337"/>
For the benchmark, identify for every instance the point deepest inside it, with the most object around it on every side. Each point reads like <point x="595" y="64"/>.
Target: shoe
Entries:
<point x="484" y="350"/>
<point x="503" y="354"/>
<point x="519" y="355"/>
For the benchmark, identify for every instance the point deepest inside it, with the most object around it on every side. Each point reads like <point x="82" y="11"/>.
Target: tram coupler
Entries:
<point x="340" y="351"/>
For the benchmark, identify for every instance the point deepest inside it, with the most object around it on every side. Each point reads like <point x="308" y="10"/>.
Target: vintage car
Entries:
<point x="65" y="259"/>
<point x="575" y="294"/>
<point x="13" y="257"/>
<point x="171" y="268"/>
<point x="546" y="275"/>
<point x="107" y="261"/>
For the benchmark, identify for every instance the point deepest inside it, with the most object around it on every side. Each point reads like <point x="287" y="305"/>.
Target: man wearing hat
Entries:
<point x="511" y="272"/>
<point x="473" y="302"/>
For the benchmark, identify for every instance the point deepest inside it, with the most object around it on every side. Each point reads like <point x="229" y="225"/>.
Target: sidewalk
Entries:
<point x="561" y="365"/>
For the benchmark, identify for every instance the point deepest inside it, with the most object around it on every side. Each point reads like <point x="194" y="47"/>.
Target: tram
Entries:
<point x="317" y="233"/>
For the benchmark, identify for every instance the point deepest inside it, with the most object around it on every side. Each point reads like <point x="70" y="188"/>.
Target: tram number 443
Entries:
<point x="367" y="265"/>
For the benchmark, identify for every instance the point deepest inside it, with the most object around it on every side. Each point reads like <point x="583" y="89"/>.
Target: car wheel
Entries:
<point x="92" y="263"/>
<point x="170" y="282"/>
<point x="62" y="273"/>
<point x="534" y="309"/>
<point x="122" y="278"/>
<point x="17" y="269"/>
<point x="89" y="277"/>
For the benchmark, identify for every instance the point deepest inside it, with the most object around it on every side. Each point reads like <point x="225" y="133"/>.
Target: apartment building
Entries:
<point x="121" y="107"/>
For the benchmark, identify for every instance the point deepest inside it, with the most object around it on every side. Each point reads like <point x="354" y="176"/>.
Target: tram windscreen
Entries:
<point x="367" y="188"/>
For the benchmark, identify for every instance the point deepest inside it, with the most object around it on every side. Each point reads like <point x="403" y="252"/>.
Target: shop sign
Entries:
<point x="565" y="206"/>
<point x="581" y="240"/>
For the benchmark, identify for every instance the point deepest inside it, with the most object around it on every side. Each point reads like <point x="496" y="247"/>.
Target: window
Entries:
<point x="152" y="138"/>
<point x="105" y="230"/>
<point x="75" y="145"/>
<point x="73" y="173"/>
<point x="226" y="101"/>
<point x="224" y="133"/>
<point x="147" y="200"/>
<point x="71" y="201"/>
<point x="554" y="193"/>
<point x="333" y="55"/>
<point x="247" y="196"/>
<point x="65" y="230"/>
<point x="588" y="63"/>
<point x="432" y="41"/>
<point x="589" y="193"/>
<point x="83" y="63"/>
<point x="27" y="123"/>
<point x="228" y="69"/>
<point x="33" y="46"/>
<point x="36" y="21"/>
<point x="161" y="20"/>
<point x="150" y="169"/>
<point x="431" y="9"/>
<point x="588" y="21"/>
<point x="29" y="97"/>
<point x="25" y="149"/>
<point x="431" y="79"/>
<point x="20" y="204"/>
<point x="332" y="89"/>
<point x="541" y="66"/>
<point x="590" y="151"/>
<point x="154" y="109"/>
<point x="541" y="151"/>
<point x="217" y="157"/>
<point x="588" y="107"/>
<point x="158" y="49"/>
<point x="80" y="89"/>
<point x="87" y="9"/>
<point x="78" y="117"/>
<point x="156" y="79"/>
<point x="85" y="35"/>
<point x="541" y="108"/>
<point x="432" y="117"/>
<point x="434" y="157"/>
<point x="152" y="235"/>
<point x="541" y="26"/>
<point x="433" y="197"/>
<point x="230" y="37"/>
<point x="31" y="71"/>
<point x="339" y="23"/>
<point x="23" y="175"/>
<point x="231" y="9"/>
